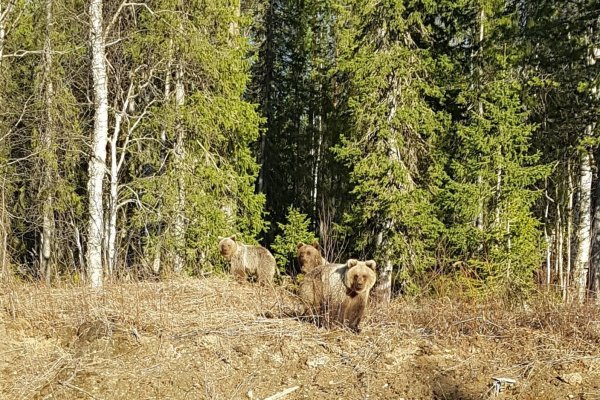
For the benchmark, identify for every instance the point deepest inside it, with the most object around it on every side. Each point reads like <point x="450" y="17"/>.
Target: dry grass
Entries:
<point x="207" y="339"/>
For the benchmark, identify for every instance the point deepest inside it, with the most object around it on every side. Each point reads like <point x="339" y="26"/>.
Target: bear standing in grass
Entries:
<point x="309" y="257"/>
<point x="339" y="293"/>
<point x="247" y="259"/>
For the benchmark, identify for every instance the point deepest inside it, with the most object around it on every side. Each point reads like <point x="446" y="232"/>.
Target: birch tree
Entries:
<point x="6" y="9"/>
<point x="584" y="231"/>
<point x="180" y="171"/>
<point x="581" y="271"/>
<point x="97" y="162"/>
<point x="47" y="150"/>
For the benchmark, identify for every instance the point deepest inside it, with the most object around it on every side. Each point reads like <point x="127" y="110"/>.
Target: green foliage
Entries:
<point x="385" y="144"/>
<point x="420" y="133"/>
<point x="294" y="231"/>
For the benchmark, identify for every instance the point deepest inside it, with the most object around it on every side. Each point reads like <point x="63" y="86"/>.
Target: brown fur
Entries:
<point x="382" y="292"/>
<point x="339" y="293"/>
<point x="309" y="257"/>
<point x="246" y="259"/>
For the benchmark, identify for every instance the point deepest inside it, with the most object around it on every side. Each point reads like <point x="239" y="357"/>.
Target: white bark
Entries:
<point x="47" y="138"/>
<point x="559" y="249"/>
<point x="318" y="162"/>
<point x="548" y="238"/>
<point x="593" y="56"/>
<point x="584" y="232"/>
<point x="4" y="229"/>
<point x="115" y="167"/>
<point x="582" y="260"/>
<point x="595" y="261"/>
<point x="479" y="218"/>
<point x="97" y="164"/>
<point x="5" y="10"/>
<point x="569" y="218"/>
<point x="179" y="159"/>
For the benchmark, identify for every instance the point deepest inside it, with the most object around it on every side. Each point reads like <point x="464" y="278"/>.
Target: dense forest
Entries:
<point x="456" y="140"/>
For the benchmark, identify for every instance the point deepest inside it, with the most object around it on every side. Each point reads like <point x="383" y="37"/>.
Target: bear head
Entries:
<point x="360" y="276"/>
<point x="309" y="256"/>
<point x="228" y="247"/>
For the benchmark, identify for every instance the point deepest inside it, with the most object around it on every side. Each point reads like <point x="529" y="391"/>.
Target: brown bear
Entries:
<point x="382" y="292"/>
<point x="247" y="259"/>
<point x="309" y="257"/>
<point x="339" y="293"/>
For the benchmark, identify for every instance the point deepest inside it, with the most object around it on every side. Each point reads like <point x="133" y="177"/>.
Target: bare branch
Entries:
<point x="23" y="53"/>
<point x="115" y="17"/>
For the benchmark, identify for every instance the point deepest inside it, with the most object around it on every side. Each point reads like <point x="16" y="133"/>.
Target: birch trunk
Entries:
<point x="317" y="164"/>
<point x="559" y="249"/>
<point x="47" y="139"/>
<point x="569" y="218"/>
<point x="584" y="232"/>
<point x="111" y="231"/>
<point x="115" y="166"/>
<point x="549" y="241"/>
<point x="179" y="158"/>
<point x="97" y="164"/>
<point x="582" y="260"/>
<point x="595" y="261"/>
<point x="5" y="10"/>
<point x="4" y="229"/>
<point x="479" y="223"/>
<point x="593" y="56"/>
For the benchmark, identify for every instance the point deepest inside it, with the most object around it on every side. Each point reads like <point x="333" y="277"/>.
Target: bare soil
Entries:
<point x="208" y="339"/>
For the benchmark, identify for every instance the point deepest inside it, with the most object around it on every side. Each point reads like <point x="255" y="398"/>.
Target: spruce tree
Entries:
<point x="386" y="63"/>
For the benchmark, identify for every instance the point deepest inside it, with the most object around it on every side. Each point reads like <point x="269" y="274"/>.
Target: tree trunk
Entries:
<point x="5" y="11"/>
<point x="4" y="229"/>
<point x="593" y="55"/>
<point x="595" y="261"/>
<point x="97" y="164"/>
<point x="548" y="240"/>
<point x="179" y="159"/>
<point x="115" y="167"/>
<point x="582" y="260"/>
<point x="559" y="249"/>
<point x="47" y="154"/>
<point x="569" y="219"/>
<point x="266" y="100"/>
<point x="317" y="163"/>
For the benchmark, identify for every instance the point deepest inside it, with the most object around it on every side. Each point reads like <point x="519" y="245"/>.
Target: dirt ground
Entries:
<point x="208" y="339"/>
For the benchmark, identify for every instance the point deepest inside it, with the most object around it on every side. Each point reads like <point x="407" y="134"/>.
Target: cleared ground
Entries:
<point x="208" y="339"/>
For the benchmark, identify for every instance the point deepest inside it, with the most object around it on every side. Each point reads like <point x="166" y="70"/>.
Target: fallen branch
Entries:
<point x="283" y="393"/>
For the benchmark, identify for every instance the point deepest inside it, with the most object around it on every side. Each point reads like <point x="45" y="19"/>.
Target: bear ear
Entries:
<point x="220" y="238"/>
<point x="232" y="237"/>
<point x="300" y="245"/>
<point x="352" y="263"/>
<point x="371" y="264"/>
<point x="315" y="244"/>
